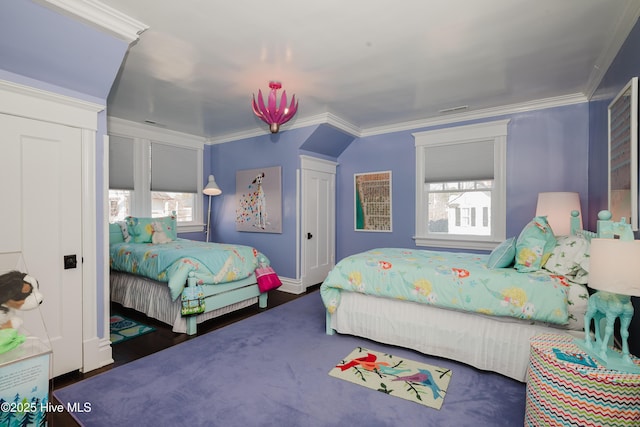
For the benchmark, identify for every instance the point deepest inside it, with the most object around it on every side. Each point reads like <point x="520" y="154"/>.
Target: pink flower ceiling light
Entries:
<point x="272" y="114"/>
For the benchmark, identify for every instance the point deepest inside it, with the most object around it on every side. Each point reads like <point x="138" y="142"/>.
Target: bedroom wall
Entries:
<point x="547" y="150"/>
<point x="625" y="66"/>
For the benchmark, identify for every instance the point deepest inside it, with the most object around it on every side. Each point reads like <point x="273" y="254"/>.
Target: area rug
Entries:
<point x="396" y="376"/>
<point x="123" y="329"/>
<point x="271" y="370"/>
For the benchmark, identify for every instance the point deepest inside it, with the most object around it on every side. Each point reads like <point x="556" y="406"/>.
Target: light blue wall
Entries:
<point x="281" y="149"/>
<point x="547" y="150"/>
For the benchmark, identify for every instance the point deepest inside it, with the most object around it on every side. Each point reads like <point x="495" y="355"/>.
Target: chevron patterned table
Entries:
<point x="580" y="392"/>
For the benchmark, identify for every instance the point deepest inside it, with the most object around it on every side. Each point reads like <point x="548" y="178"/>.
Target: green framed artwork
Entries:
<point x="372" y="195"/>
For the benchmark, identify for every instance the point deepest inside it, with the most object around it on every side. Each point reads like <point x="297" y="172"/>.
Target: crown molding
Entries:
<point x="125" y="128"/>
<point x="99" y="15"/>
<point x="318" y="119"/>
<point x="479" y="114"/>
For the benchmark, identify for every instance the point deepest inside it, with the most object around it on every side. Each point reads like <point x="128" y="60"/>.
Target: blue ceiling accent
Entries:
<point x="327" y="140"/>
<point x="44" y="45"/>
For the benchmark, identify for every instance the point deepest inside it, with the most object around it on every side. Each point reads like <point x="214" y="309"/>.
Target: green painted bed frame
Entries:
<point x="222" y="295"/>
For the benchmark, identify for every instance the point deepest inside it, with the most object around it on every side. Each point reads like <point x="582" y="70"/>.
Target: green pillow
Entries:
<point x="534" y="245"/>
<point x="115" y="233"/>
<point x="503" y="255"/>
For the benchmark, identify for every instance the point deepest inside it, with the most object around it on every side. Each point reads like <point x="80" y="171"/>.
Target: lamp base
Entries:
<point x="615" y="359"/>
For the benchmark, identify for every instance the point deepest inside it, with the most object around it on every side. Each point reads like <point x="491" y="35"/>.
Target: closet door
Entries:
<point x="41" y="187"/>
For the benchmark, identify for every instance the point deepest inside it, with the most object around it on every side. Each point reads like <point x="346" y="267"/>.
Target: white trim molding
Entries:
<point x="99" y="15"/>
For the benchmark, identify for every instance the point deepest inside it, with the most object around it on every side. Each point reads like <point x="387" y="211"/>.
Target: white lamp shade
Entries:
<point x="212" y="188"/>
<point x="614" y="266"/>
<point x="557" y="207"/>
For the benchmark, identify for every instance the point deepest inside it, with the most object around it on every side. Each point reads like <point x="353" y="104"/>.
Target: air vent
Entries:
<point x="454" y="109"/>
<point x="152" y="123"/>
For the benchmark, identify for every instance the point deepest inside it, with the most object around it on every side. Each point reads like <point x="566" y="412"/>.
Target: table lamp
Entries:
<point x="614" y="272"/>
<point x="557" y="207"/>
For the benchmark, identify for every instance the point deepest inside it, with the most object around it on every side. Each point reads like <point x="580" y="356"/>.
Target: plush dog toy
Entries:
<point x="18" y="292"/>
<point x="159" y="235"/>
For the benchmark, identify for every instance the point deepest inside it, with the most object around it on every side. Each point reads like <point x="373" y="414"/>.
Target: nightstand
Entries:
<point x="564" y="393"/>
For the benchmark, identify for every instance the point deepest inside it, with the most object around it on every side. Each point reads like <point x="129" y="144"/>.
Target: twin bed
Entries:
<point x="149" y="276"/>
<point x="478" y="309"/>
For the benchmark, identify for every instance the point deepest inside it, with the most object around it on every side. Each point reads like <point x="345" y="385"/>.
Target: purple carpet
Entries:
<point x="272" y="370"/>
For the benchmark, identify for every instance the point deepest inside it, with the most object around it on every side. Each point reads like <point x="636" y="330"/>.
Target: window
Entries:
<point x="154" y="179"/>
<point x="460" y="186"/>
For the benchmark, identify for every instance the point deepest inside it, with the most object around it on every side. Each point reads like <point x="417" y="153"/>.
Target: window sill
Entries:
<point x="460" y="243"/>
<point x="191" y="228"/>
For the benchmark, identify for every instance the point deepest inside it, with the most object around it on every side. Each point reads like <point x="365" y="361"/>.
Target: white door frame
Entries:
<point x="37" y="104"/>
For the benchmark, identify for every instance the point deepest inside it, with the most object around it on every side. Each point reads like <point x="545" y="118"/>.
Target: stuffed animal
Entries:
<point x="159" y="235"/>
<point x="18" y="292"/>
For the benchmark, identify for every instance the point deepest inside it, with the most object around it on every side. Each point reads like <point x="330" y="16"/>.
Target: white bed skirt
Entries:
<point x="153" y="299"/>
<point x="481" y="341"/>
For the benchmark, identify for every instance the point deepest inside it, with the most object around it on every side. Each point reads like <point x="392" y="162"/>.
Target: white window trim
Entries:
<point x="497" y="131"/>
<point x="142" y="137"/>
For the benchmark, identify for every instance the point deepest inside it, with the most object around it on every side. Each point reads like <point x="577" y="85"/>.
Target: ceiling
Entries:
<point x="360" y="64"/>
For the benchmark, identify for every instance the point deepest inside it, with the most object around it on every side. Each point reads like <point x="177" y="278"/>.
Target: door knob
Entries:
<point x="309" y="236"/>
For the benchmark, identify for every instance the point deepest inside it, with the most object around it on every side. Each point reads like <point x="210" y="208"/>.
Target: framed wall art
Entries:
<point x="259" y="200"/>
<point x="623" y="154"/>
<point x="372" y="195"/>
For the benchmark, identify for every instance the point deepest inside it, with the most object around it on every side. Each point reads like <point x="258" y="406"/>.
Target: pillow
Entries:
<point x="124" y="230"/>
<point x="115" y="234"/>
<point x="570" y="258"/>
<point x="503" y="255"/>
<point x="142" y="228"/>
<point x="534" y="245"/>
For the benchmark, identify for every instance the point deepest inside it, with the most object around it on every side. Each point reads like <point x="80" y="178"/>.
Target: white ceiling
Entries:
<point x="362" y="64"/>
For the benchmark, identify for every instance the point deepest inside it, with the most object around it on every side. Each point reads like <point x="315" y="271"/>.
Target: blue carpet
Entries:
<point x="272" y="370"/>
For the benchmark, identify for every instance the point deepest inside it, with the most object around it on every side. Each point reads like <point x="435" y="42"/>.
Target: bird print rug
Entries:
<point x="395" y="376"/>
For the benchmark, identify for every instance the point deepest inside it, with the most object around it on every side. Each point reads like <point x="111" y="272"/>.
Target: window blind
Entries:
<point x="471" y="161"/>
<point x="120" y="163"/>
<point x="173" y="169"/>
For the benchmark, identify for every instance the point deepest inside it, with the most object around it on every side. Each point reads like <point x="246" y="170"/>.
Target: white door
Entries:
<point x="41" y="187"/>
<point x="318" y="219"/>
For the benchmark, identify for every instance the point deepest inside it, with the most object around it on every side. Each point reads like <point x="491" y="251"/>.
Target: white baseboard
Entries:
<point x="96" y="354"/>
<point x="292" y="286"/>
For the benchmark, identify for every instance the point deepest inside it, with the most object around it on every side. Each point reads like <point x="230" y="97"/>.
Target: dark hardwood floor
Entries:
<point x="155" y="341"/>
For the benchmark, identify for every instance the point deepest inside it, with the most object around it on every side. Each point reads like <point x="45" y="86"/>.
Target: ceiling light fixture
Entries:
<point x="272" y="114"/>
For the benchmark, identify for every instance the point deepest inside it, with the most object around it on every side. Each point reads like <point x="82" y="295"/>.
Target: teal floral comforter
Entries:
<point x="212" y="263"/>
<point x="451" y="280"/>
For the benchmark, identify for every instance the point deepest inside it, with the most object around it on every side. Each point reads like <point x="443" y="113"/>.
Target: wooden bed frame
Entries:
<point x="494" y="344"/>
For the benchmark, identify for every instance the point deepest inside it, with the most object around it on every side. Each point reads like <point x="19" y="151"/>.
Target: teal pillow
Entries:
<point x="534" y="245"/>
<point x="142" y="228"/>
<point x="115" y="234"/>
<point x="503" y="255"/>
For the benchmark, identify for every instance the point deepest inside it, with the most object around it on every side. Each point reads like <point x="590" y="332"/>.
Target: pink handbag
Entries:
<point x="267" y="279"/>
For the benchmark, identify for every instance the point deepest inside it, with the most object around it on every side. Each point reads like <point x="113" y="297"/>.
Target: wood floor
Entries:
<point x="155" y="341"/>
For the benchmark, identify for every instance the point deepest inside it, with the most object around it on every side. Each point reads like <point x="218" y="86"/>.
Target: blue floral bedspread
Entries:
<point x="212" y="263"/>
<point x="451" y="280"/>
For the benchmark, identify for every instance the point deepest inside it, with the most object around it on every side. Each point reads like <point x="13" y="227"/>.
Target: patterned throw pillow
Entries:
<point x="142" y="228"/>
<point x="534" y="245"/>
